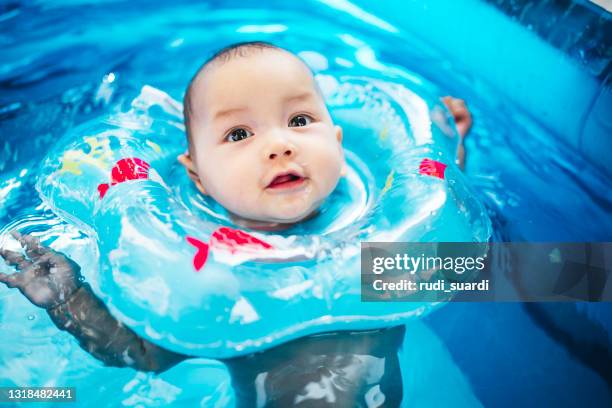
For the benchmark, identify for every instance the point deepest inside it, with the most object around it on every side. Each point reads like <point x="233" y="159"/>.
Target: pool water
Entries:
<point x="67" y="62"/>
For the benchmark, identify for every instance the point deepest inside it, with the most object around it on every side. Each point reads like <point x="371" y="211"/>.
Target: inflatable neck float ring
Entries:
<point x="175" y="269"/>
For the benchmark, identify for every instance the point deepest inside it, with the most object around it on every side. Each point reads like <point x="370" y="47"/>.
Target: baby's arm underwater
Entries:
<point x="51" y="280"/>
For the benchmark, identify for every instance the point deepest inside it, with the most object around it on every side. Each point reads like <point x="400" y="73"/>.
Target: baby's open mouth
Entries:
<point x="286" y="180"/>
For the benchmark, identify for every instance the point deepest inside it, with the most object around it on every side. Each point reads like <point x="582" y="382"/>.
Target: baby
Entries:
<point x="261" y="140"/>
<point x="262" y="143"/>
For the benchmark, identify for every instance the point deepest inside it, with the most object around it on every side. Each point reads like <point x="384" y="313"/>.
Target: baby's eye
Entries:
<point x="300" y="120"/>
<point x="237" y="135"/>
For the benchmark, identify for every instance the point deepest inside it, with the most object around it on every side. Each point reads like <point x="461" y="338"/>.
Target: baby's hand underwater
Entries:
<point x="46" y="277"/>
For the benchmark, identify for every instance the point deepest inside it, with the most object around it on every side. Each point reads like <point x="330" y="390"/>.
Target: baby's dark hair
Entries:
<point x="225" y="54"/>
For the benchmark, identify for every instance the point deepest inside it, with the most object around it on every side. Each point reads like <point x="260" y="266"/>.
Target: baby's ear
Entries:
<point x="185" y="160"/>
<point x="339" y="136"/>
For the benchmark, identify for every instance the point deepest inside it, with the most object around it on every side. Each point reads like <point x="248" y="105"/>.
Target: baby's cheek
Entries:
<point x="331" y="162"/>
<point x="232" y="194"/>
<point x="222" y="176"/>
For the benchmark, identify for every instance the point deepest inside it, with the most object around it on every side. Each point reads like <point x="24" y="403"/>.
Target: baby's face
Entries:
<point x="264" y="145"/>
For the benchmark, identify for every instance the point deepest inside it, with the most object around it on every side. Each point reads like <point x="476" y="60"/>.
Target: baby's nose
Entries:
<point x="288" y="152"/>
<point x="278" y="148"/>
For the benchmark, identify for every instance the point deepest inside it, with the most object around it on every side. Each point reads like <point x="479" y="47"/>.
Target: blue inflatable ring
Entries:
<point x="174" y="268"/>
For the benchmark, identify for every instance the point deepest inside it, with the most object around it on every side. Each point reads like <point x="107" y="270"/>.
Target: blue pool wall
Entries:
<point x="566" y="95"/>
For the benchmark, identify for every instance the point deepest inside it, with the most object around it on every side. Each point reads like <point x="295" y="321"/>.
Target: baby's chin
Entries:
<point x="273" y="220"/>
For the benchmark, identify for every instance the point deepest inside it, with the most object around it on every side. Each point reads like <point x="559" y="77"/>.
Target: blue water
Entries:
<point x="67" y="62"/>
